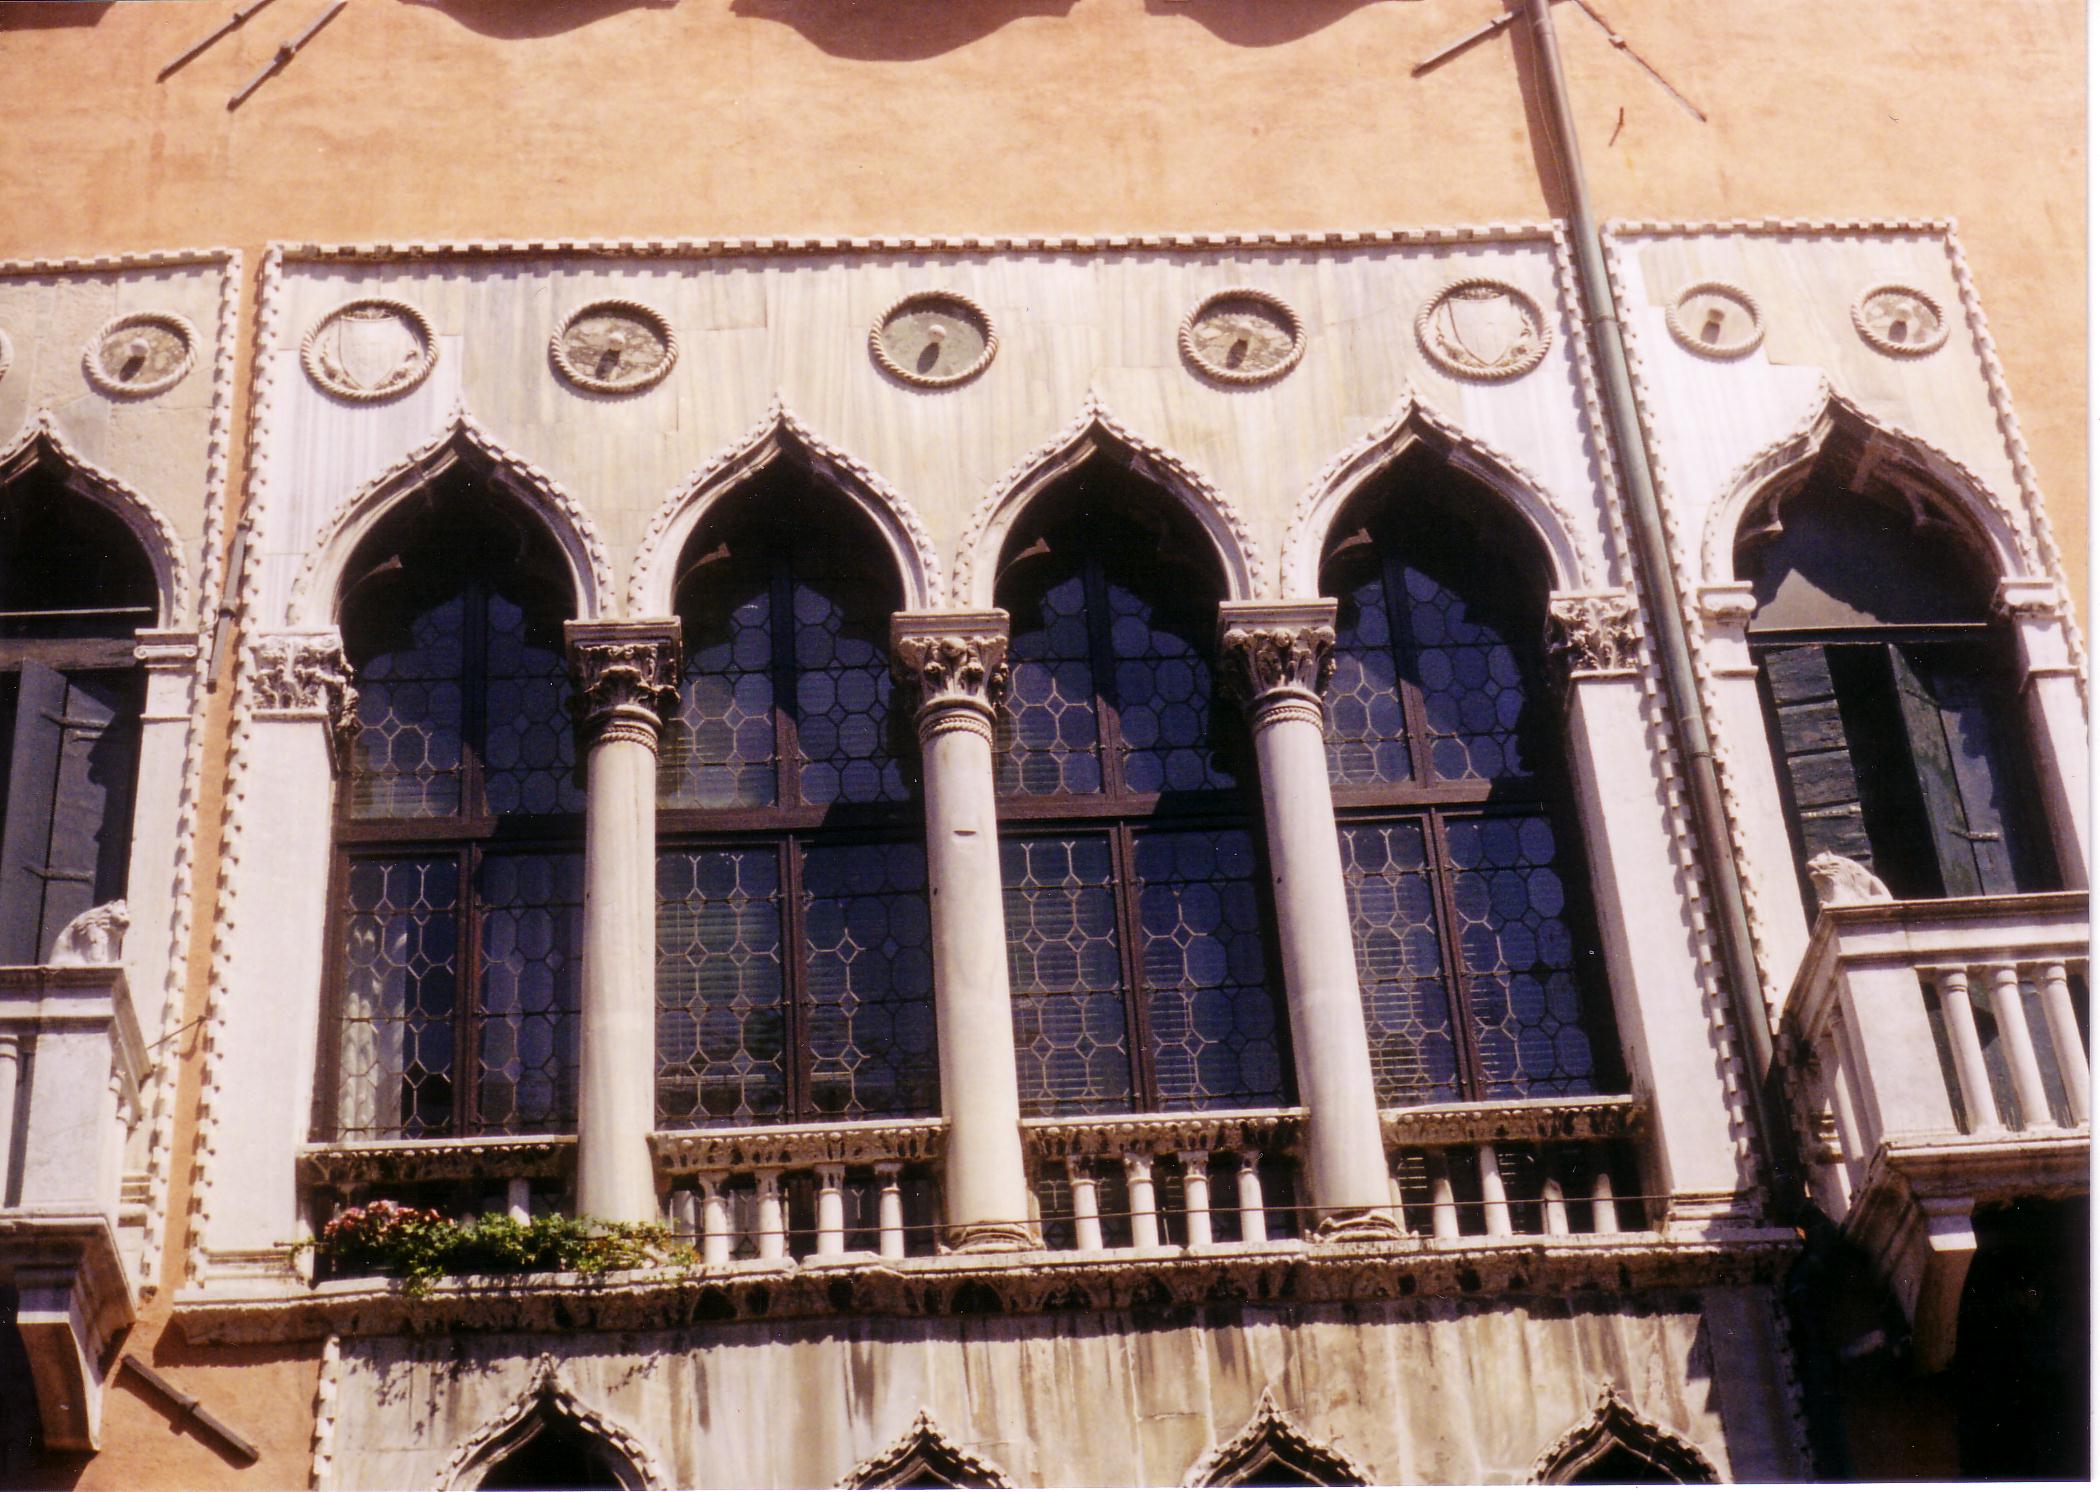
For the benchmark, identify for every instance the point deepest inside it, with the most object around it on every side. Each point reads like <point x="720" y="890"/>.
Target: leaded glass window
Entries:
<point x="1138" y="935"/>
<point x="459" y="882"/>
<point x="1474" y="947"/>
<point x="794" y="973"/>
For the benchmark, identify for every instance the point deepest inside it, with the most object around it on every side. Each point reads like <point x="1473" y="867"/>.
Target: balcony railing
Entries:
<point x="1157" y="1180"/>
<point x="1545" y="1167"/>
<point x="1935" y="1056"/>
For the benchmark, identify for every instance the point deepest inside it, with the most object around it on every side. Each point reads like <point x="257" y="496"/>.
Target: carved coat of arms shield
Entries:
<point x="373" y="347"/>
<point x="1485" y="325"/>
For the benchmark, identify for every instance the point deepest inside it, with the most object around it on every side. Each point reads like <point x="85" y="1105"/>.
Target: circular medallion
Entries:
<point x="370" y="349"/>
<point x="934" y="339"/>
<point x="1243" y="336"/>
<point x="144" y="353"/>
<point x="1715" y="319"/>
<point x="614" y="347"/>
<point x="1483" y="329"/>
<point x="1900" y="321"/>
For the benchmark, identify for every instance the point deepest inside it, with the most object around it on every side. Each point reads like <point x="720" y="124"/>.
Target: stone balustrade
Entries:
<point x="71" y="1061"/>
<point x="1935" y="1057"/>
<point x="1165" y="1180"/>
<point x="1531" y="1167"/>
<point x="519" y="1175"/>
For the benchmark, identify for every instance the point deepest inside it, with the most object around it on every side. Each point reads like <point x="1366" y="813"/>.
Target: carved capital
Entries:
<point x="1593" y="632"/>
<point x="304" y="676"/>
<point x="2028" y="599"/>
<point x="955" y="661"/>
<point x="626" y="676"/>
<point x="1277" y="657"/>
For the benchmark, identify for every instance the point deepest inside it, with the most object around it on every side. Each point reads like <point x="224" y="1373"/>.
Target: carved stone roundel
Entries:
<point x="1243" y="336"/>
<point x="371" y="349"/>
<point x="615" y="347"/>
<point x="147" y="352"/>
<point x="1483" y="329"/>
<point x="934" y="339"/>
<point x="1715" y="319"/>
<point x="1899" y="320"/>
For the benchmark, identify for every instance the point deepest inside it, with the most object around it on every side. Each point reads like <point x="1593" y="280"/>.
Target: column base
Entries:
<point x="1359" y="1225"/>
<point x="990" y="1238"/>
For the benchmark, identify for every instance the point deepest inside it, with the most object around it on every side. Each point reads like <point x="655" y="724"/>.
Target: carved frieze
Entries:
<point x="304" y="676"/>
<point x="626" y="676"/>
<point x="1593" y="633"/>
<point x="1483" y="329"/>
<point x="1270" y="1131"/>
<point x="954" y="661"/>
<point x="690" y="1152"/>
<point x="144" y="353"/>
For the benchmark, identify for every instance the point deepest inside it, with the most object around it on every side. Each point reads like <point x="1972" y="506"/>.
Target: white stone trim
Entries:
<point x="549" y="1386"/>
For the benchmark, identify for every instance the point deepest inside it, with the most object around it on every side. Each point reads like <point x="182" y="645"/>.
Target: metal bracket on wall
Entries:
<point x="243" y="1449"/>
<point x="1501" y="22"/>
<point x="232" y="25"/>
<point x="286" y="51"/>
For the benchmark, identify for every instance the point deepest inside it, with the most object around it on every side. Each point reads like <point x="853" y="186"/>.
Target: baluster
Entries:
<point x="772" y="1217"/>
<point x="1086" y="1204"/>
<point x="1553" y="1201"/>
<point x="1494" y="1198"/>
<point x="10" y="1074"/>
<point x="1604" y="1205"/>
<point x="831" y="1211"/>
<point x="1254" y="1211"/>
<point x="2055" y="982"/>
<point x="889" y="1208"/>
<point x="1959" y="1016"/>
<point x="1443" y="1200"/>
<point x="714" y="1222"/>
<point x="1144" y="1206"/>
<point x="517" y="1199"/>
<point x="1195" y="1195"/>
<point x="685" y="1215"/>
<point x="2019" y="1048"/>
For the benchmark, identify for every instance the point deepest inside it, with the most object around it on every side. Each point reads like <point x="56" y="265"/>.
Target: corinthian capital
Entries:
<point x="1595" y="632"/>
<point x="953" y="660"/>
<point x="626" y="676"/>
<point x="1274" y="652"/>
<point x="304" y="676"/>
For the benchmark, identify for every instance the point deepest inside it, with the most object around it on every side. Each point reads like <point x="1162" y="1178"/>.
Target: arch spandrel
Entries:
<point x="1097" y="431"/>
<point x="1271" y="1451"/>
<point x="41" y="443"/>
<point x="781" y="436"/>
<point x="549" y="1400"/>
<point x="1615" y="1436"/>
<point x="1570" y="546"/>
<point x="314" y="593"/>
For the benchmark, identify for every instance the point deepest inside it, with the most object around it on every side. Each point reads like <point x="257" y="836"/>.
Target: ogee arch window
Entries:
<point x="459" y="876"/>
<point x="1138" y="935"/>
<point x="794" y="953"/>
<point x="1474" y="942"/>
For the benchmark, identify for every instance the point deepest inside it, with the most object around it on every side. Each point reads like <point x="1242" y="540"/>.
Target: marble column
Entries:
<point x="626" y="682"/>
<point x="956" y="661"/>
<point x="2055" y="717"/>
<point x="1278" y="657"/>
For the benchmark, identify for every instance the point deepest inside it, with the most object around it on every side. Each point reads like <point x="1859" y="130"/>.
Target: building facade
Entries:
<point x="1148" y="853"/>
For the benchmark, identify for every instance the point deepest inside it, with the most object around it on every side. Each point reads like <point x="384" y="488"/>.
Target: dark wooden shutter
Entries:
<point x="71" y="771"/>
<point x="1954" y="748"/>
<point x="1815" y="758"/>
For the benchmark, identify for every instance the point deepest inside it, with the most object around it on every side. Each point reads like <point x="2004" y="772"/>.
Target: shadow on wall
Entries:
<point x="1258" y="23"/>
<point x="27" y="16"/>
<point x="894" y="30"/>
<point x="507" y="20"/>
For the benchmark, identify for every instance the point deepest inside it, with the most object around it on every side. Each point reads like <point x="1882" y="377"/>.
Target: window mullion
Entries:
<point x="1400" y="630"/>
<point x="1108" y="728"/>
<point x="1137" y="1021"/>
<point x="466" y="1000"/>
<point x="473" y="704"/>
<point x="787" y="742"/>
<point x="1472" y="1083"/>
<point x="795" y="982"/>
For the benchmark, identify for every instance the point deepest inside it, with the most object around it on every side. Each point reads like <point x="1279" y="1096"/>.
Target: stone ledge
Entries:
<point x="1155" y="1281"/>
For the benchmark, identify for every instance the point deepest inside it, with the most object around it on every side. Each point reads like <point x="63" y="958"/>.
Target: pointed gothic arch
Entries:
<point x="1271" y="1451"/>
<point x="780" y="436"/>
<point x="1097" y="431"/>
<point x="1415" y="426"/>
<point x="923" y="1456"/>
<point x="41" y="444"/>
<point x="1615" y="1443"/>
<point x="1938" y="487"/>
<point x="462" y="443"/>
<point x="605" y="1451"/>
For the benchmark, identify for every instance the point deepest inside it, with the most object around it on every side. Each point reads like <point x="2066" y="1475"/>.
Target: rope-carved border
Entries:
<point x="101" y="378"/>
<point x="1503" y="371"/>
<point x="1092" y="427"/>
<point x="313" y="360"/>
<point x="1242" y="377"/>
<point x="1725" y="351"/>
<point x="1882" y="344"/>
<point x="879" y="349"/>
<point x="558" y="347"/>
<point x="777" y="431"/>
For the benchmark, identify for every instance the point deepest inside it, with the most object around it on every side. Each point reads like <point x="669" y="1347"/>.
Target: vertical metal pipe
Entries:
<point x="1673" y="648"/>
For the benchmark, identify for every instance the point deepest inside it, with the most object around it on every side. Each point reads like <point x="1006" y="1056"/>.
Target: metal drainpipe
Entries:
<point x="1659" y="575"/>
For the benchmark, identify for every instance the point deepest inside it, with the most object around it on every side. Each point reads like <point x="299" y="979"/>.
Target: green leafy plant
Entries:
<point x="420" y="1247"/>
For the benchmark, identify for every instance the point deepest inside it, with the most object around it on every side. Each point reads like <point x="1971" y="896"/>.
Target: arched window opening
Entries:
<point x="459" y="875"/>
<point x="1270" y="1451"/>
<point x="1616" y="1446"/>
<point x="1139" y="945"/>
<point x="924" y="1457"/>
<point x="794" y="953"/>
<point x="1475" y="941"/>
<point x="550" y="1452"/>
<point x="1889" y="692"/>
<point x="75" y="587"/>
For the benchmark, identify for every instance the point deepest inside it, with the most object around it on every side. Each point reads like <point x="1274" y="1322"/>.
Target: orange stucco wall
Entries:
<point x="447" y="119"/>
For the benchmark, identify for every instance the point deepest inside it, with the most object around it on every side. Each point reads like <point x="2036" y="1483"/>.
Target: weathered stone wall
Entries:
<point x="1439" y="1392"/>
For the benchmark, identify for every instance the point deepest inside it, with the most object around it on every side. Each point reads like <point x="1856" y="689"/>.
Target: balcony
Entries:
<point x="1935" y="1056"/>
<point x="71" y="1062"/>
